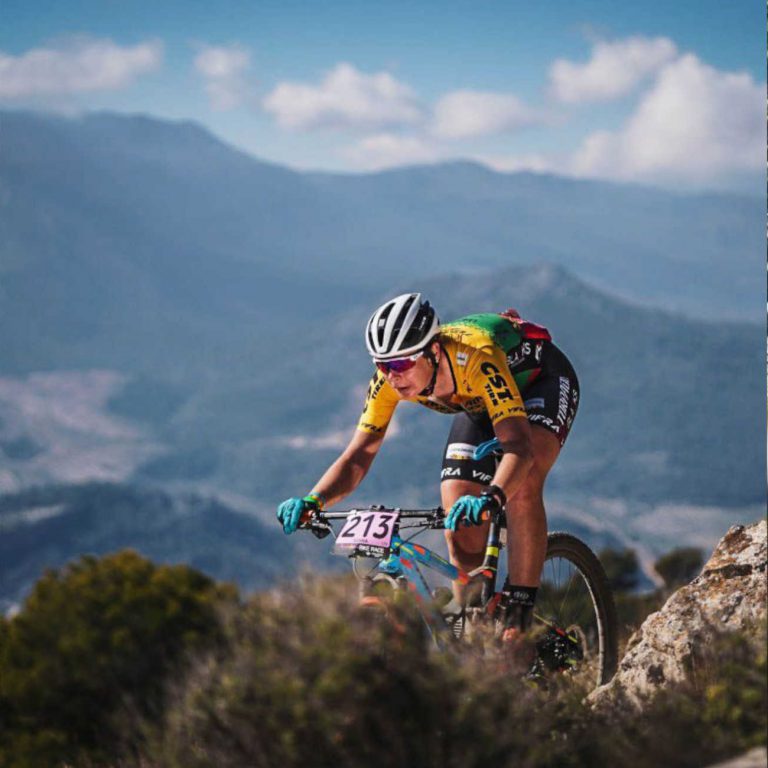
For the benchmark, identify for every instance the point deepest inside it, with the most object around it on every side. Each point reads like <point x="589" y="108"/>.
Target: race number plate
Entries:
<point x="367" y="530"/>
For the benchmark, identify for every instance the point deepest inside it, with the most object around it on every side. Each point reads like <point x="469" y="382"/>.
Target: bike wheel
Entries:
<point x="575" y="616"/>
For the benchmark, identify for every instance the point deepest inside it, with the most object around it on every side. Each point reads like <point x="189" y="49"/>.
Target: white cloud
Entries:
<point x="696" y="125"/>
<point x="536" y="163"/>
<point x="223" y="69"/>
<point x="387" y="150"/>
<point x="614" y="69"/>
<point x="346" y="98"/>
<point x="333" y="440"/>
<point x="468" y="114"/>
<point x="79" y="65"/>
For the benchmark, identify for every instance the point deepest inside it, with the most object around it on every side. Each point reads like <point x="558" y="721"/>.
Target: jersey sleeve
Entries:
<point x="380" y="403"/>
<point x="489" y="376"/>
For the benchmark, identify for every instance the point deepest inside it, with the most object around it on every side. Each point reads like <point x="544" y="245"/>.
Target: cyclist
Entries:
<point x="476" y="368"/>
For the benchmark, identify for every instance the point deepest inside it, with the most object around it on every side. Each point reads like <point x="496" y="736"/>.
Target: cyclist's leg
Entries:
<point x="526" y="518"/>
<point x="551" y="404"/>
<point x="462" y="475"/>
<point x="465" y="545"/>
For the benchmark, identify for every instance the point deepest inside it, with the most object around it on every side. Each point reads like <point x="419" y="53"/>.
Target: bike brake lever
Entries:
<point x="320" y="531"/>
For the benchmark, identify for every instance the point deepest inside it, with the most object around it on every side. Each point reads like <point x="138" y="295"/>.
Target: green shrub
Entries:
<point x="621" y="567"/>
<point x="680" y="566"/>
<point x="87" y="657"/>
<point x="310" y="679"/>
<point x="118" y="662"/>
<point x="313" y="679"/>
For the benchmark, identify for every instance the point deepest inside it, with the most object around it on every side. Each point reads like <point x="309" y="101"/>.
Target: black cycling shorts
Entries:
<point x="551" y="402"/>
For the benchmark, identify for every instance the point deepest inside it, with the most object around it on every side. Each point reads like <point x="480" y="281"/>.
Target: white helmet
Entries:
<point x="401" y="327"/>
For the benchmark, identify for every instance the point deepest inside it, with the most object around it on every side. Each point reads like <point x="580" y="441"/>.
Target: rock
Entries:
<point x="755" y="758"/>
<point x="729" y="594"/>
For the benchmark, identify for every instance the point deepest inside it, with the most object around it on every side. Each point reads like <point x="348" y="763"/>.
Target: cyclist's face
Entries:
<point x="409" y="383"/>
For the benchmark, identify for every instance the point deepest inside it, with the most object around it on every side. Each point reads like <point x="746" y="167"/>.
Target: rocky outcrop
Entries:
<point x="729" y="595"/>
<point x="755" y="758"/>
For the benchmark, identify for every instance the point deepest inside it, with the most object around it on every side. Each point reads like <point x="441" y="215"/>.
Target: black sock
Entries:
<point x="514" y="593"/>
<point x="516" y="606"/>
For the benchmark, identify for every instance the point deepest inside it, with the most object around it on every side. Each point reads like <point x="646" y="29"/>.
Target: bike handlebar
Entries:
<point x="318" y="521"/>
<point x="404" y="513"/>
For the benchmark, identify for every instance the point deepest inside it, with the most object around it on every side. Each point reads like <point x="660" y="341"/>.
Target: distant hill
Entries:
<point x="140" y="245"/>
<point x="193" y="316"/>
<point x="670" y="406"/>
<point x="669" y="412"/>
<point x="126" y="242"/>
<point x="46" y="527"/>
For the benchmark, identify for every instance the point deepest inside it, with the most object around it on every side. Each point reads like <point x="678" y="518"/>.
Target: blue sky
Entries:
<point x="652" y="92"/>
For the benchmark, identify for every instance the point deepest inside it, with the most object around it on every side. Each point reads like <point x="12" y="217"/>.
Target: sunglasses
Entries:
<point x="400" y="365"/>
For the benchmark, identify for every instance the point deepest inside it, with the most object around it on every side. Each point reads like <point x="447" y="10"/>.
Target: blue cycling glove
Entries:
<point x="469" y="509"/>
<point x="290" y="512"/>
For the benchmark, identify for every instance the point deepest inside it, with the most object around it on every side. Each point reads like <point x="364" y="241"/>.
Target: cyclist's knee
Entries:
<point x="451" y="490"/>
<point x="529" y="494"/>
<point x="467" y="541"/>
<point x="531" y="490"/>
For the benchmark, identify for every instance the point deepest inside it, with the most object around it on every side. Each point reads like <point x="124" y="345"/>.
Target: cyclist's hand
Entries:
<point x="467" y="509"/>
<point x="290" y="512"/>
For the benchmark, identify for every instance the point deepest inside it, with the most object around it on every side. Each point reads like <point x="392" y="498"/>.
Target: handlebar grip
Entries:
<point x="307" y="520"/>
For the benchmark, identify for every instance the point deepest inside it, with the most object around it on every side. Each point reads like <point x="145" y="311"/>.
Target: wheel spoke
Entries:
<point x="576" y="608"/>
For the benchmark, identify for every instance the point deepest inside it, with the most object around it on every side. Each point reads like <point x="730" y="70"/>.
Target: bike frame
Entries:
<point x="562" y="645"/>
<point x="407" y="556"/>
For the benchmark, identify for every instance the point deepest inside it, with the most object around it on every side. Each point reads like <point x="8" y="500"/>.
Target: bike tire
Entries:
<point x="566" y="548"/>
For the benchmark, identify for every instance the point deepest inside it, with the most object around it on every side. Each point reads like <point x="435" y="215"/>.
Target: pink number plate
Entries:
<point x="373" y="529"/>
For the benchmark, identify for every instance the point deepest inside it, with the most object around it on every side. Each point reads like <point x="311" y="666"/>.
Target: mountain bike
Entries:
<point x="575" y="625"/>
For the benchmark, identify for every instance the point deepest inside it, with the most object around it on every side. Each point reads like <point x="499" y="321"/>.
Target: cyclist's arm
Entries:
<point x="489" y="375"/>
<point x="514" y="434"/>
<point x="346" y="473"/>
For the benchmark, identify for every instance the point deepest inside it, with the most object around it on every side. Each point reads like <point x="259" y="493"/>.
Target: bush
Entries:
<point x="621" y="567"/>
<point x="87" y="657"/>
<point x="311" y="679"/>
<point x="305" y="677"/>
<point x="680" y="566"/>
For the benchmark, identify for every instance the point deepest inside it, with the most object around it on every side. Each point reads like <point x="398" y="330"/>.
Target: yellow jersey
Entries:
<point x="482" y="380"/>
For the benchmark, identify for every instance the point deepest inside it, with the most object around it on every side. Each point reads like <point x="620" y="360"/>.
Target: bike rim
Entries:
<point x="567" y="604"/>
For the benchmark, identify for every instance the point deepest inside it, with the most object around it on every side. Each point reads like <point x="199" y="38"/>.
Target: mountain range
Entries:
<point x="123" y="239"/>
<point x="183" y="318"/>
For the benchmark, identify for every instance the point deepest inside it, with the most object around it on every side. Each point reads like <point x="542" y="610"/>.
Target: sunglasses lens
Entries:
<point x="396" y="366"/>
<point x="400" y="366"/>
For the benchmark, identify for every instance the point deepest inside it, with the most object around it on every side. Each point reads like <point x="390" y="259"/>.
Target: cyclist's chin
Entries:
<point x="406" y="390"/>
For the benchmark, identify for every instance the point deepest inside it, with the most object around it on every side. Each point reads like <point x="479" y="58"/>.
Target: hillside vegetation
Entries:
<point x="116" y="661"/>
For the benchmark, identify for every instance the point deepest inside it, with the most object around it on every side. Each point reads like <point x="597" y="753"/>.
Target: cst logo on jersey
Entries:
<point x="496" y="387"/>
